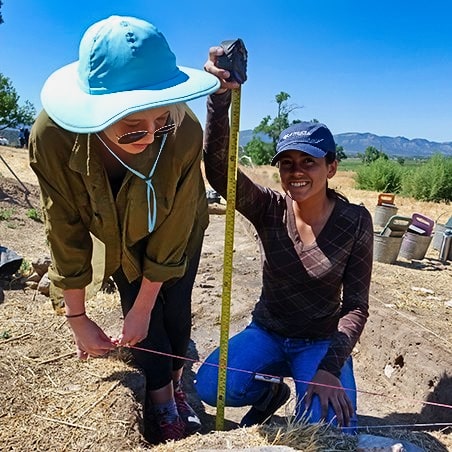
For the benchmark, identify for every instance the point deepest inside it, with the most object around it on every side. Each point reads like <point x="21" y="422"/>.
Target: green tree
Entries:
<point x="340" y="153"/>
<point x="371" y="154"/>
<point x="260" y="152"/>
<point x="11" y="113"/>
<point x="1" y="17"/>
<point x="273" y="127"/>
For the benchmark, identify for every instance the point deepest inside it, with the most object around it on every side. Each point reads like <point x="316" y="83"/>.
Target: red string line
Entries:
<point x="424" y="402"/>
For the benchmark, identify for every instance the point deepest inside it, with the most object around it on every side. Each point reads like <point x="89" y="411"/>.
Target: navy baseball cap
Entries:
<point x="313" y="138"/>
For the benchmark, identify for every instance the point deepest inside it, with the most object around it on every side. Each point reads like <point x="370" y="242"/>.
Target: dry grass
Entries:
<point x="298" y="436"/>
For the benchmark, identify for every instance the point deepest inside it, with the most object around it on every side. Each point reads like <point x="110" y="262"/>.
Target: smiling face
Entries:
<point x="148" y="120"/>
<point x="304" y="177"/>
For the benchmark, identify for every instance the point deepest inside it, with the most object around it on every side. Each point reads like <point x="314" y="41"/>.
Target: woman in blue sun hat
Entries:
<point x="316" y="270"/>
<point x="117" y="154"/>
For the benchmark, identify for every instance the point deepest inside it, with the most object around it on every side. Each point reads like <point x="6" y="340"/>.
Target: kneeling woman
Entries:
<point x="316" y="270"/>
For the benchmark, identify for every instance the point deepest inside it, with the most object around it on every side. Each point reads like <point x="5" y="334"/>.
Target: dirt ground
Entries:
<point x="51" y="401"/>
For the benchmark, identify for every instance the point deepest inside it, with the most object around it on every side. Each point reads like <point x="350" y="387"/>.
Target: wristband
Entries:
<point x="75" y="315"/>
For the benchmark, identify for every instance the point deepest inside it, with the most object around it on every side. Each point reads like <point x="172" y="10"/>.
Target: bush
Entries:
<point x="381" y="175"/>
<point x="430" y="182"/>
<point x="261" y="153"/>
<point x="34" y="215"/>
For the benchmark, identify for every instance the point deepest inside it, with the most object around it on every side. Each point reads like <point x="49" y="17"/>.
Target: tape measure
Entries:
<point x="228" y="253"/>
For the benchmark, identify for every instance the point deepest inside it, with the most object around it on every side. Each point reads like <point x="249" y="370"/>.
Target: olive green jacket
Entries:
<point x="78" y="203"/>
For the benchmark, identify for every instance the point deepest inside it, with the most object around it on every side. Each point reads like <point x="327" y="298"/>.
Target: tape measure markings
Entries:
<point x="228" y="254"/>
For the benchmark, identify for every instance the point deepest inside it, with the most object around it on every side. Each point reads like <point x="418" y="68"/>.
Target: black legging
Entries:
<point x="170" y="325"/>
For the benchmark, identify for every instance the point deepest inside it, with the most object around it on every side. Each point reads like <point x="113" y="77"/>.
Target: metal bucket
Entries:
<point x="440" y="228"/>
<point x="445" y="253"/>
<point x="383" y="214"/>
<point x="386" y="249"/>
<point x="438" y="236"/>
<point x="414" y="246"/>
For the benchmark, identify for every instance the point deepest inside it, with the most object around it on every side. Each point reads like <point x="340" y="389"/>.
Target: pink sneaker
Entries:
<point x="172" y="430"/>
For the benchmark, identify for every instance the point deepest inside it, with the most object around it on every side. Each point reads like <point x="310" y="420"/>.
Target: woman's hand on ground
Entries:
<point x="330" y="391"/>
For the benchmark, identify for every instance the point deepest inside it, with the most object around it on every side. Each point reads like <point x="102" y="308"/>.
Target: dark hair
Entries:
<point x="330" y="157"/>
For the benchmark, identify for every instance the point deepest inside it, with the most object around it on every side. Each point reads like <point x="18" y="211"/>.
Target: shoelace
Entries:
<point x="181" y="401"/>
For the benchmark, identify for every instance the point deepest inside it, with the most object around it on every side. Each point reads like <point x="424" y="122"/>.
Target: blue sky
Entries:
<point x="358" y="66"/>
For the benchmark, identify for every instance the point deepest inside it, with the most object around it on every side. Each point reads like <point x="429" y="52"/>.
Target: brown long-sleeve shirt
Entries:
<point x="315" y="291"/>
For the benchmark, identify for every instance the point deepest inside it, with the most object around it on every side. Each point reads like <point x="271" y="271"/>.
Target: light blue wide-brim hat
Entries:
<point x="125" y="65"/>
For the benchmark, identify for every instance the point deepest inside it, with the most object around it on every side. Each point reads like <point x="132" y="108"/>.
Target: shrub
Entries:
<point x="430" y="182"/>
<point x="25" y="268"/>
<point x="34" y="215"/>
<point x="6" y="214"/>
<point x="381" y="175"/>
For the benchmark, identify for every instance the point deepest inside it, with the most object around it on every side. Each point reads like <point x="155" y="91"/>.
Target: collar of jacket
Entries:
<point x="84" y="159"/>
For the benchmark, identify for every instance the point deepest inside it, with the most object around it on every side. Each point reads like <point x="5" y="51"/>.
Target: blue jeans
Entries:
<point x="256" y="350"/>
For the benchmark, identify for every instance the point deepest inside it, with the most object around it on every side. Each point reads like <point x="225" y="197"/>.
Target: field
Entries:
<point x="51" y="401"/>
<point x="353" y="163"/>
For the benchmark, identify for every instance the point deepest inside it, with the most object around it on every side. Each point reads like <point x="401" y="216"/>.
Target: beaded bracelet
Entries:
<point x="75" y="315"/>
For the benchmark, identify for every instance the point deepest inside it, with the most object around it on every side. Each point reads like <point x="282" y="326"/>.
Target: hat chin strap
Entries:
<point x="150" y="190"/>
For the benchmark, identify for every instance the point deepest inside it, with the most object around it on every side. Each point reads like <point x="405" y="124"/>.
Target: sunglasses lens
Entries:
<point x="164" y="130"/>
<point x="131" y="137"/>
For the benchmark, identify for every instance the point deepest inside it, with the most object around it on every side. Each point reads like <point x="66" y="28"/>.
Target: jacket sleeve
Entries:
<point x="69" y="239"/>
<point x="355" y="298"/>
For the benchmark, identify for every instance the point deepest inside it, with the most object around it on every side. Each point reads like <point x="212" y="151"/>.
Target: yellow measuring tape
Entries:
<point x="228" y="254"/>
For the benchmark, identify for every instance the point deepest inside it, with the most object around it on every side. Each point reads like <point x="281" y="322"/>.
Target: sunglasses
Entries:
<point x="132" y="137"/>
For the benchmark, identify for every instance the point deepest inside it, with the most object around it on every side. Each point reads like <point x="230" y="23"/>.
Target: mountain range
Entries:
<point x="354" y="143"/>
